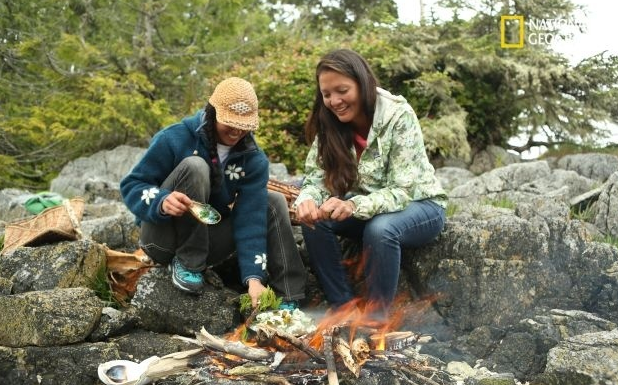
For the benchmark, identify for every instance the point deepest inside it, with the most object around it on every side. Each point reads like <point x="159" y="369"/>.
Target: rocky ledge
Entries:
<point x="521" y="286"/>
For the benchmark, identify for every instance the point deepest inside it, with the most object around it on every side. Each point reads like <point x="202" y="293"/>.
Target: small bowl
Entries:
<point x="205" y="213"/>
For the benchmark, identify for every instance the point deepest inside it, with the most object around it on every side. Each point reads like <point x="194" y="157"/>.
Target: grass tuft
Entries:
<point x="102" y="287"/>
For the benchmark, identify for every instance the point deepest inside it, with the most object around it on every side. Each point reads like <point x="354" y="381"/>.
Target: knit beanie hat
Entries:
<point x="236" y="104"/>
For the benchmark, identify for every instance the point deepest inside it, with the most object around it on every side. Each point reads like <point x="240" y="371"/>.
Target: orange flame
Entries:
<point x="356" y="315"/>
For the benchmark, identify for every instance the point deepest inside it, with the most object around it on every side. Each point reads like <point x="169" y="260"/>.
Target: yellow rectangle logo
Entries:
<point x="503" y="31"/>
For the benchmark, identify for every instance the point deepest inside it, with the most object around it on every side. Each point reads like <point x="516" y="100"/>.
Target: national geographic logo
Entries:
<point x="508" y="24"/>
<point x="539" y="31"/>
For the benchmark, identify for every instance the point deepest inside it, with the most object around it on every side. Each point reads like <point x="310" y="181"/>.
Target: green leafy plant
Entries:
<point x="268" y="301"/>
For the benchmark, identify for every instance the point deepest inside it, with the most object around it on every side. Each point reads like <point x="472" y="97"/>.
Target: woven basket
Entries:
<point x="290" y="192"/>
<point x="54" y="224"/>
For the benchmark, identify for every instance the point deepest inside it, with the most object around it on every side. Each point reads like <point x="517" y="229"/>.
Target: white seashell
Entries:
<point x="205" y="213"/>
<point x="123" y="372"/>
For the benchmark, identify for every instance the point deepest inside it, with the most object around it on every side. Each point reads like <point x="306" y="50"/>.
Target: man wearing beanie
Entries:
<point x="212" y="157"/>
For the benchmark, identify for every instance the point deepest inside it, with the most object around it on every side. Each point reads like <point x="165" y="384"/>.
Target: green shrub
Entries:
<point x="102" y="287"/>
<point x="608" y="239"/>
<point x="268" y="301"/>
<point x="583" y="213"/>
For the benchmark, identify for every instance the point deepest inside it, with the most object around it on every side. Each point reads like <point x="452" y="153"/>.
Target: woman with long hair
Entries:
<point x="367" y="177"/>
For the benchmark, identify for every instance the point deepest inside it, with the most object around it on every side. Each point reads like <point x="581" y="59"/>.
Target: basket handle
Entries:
<point x="73" y="218"/>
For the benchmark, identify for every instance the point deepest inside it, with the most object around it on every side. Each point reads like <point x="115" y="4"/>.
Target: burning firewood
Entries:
<point x="331" y="367"/>
<point x="360" y="350"/>
<point x="343" y="349"/>
<point x="393" y="340"/>
<point x="331" y="349"/>
<point x="233" y="347"/>
<point x="267" y="333"/>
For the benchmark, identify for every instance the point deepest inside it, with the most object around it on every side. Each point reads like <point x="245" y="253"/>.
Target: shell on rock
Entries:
<point x="124" y="372"/>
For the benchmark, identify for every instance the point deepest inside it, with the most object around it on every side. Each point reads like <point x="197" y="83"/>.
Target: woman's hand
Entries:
<point x="336" y="209"/>
<point x="307" y="213"/>
<point x="255" y="290"/>
<point x="176" y="204"/>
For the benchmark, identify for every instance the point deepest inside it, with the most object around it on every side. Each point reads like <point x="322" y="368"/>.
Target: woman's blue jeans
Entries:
<point x="383" y="237"/>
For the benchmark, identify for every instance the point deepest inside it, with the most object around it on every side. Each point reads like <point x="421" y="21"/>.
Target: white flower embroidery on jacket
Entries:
<point x="261" y="259"/>
<point x="234" y="172"/>
<point x="147" y="195"/>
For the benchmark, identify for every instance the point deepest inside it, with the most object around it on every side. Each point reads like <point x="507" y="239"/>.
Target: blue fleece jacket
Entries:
<point x="245" y="175"/>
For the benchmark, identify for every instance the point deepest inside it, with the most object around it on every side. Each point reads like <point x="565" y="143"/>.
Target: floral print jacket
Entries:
<point x="394" y="169"/>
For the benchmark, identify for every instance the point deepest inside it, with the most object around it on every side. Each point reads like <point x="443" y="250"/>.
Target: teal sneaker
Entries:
<point x="289" y="305"/>
<point x="186" y="280"/>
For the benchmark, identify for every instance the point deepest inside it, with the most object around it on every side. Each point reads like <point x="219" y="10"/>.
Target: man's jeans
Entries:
<point x="198" y="246"/>
<point x="383" y="237"/>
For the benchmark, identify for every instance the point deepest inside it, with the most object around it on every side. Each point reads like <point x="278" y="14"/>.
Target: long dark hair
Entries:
<point x="210" y="131"/>
<point x="335" y="139"/>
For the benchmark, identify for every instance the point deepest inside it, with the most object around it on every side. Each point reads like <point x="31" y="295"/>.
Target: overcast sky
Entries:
<point x="600" y="21"/>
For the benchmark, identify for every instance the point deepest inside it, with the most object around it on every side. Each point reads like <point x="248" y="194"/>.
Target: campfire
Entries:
<point x="345" y="344"/>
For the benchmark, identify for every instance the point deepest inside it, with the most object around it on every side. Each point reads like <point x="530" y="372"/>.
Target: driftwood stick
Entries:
<point x="187" y="340"/>
<point x="300" y="366"/>
<point x="268" y="379"/>
<point x="331" y="367"/>
<point x="170" y="364"/>
<point x="419" y="377"/>
<point x="249" y="369"/>
<point x="236" y="348"/>
<point x="343" y="349"/>
<point x="269" y="332"/>
<point x="254" y="313"/>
